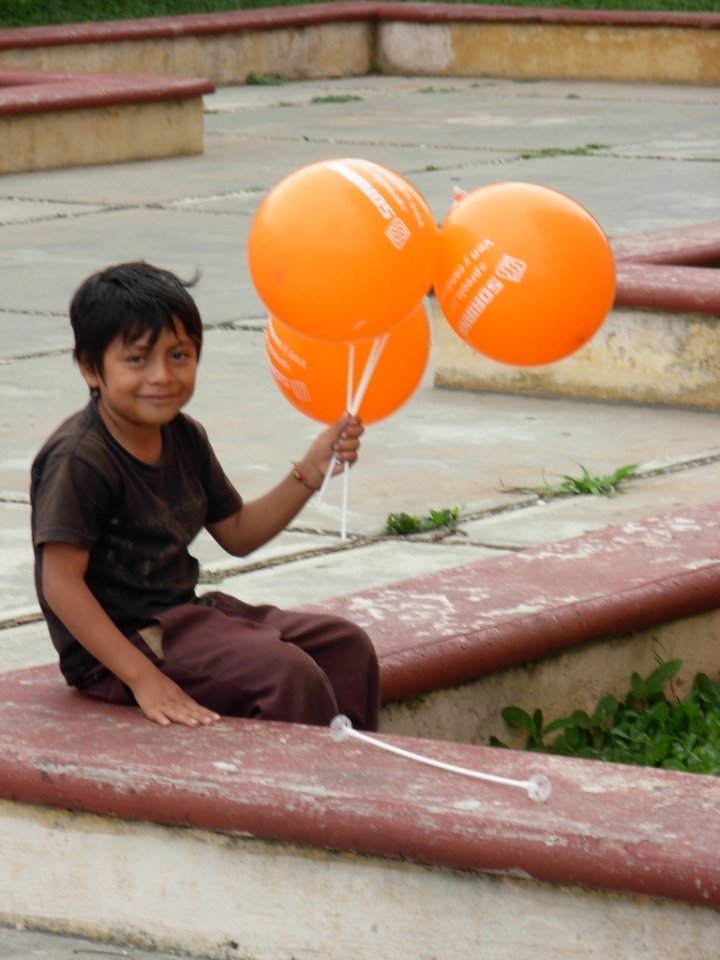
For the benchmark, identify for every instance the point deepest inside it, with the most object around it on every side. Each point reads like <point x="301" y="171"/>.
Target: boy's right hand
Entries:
<point x="162" y="700"/>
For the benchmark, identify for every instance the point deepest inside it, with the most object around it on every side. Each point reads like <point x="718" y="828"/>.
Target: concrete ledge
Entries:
<point x="697" y="245"/>
<point x="263" y="805"/>
<point x="343" y="39"/>
<point x="456" y="625"/>
<point x="323" y="40"/>
<point x="673" y="289"/>
<point x="660" y="343"/>
<point x="226" y="896"/>
<point x="68" y="119"/>
<point x="606" y="827"/>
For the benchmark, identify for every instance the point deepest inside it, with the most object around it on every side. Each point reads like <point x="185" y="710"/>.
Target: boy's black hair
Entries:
<point x="128" y="300"/>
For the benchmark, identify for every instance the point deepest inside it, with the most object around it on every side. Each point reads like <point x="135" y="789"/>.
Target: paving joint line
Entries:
<point x="76" y="215"/>
<point x="253" y="325"/>
<point x="33" y="313"/>
<point x="209" y="576"/>
<point x="36" y="356"/>
<point x="537" y="155"/>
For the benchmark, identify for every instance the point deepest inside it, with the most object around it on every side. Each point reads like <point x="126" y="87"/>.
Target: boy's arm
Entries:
<point x="260" y="520"/>
<point x="160" y="699"/>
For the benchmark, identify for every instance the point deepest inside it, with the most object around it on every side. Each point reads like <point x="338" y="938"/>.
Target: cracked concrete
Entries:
<point x="617" y="148"/>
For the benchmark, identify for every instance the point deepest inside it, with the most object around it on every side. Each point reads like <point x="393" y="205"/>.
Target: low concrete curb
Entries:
<point x="344" y="39"/>
<point x="269" y="813"/>
<point x="69" y="119"/>
<point x="660" y="344"/>
<point x="456" y="625"/>
<point x="261" y="788"/>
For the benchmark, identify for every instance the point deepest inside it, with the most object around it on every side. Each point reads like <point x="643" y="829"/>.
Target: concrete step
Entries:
<point x="344" y="39"/>
<point x="263" y="840"/>
<point x="52" y="119"/>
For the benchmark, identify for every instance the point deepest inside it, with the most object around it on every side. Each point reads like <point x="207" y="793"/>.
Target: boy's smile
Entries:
<point x="143" y="386"/>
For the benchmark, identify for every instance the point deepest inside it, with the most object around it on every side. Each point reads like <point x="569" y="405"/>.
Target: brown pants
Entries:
<point x="261" y="663"/>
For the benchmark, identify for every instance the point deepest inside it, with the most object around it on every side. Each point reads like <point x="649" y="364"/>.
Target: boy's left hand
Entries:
<point x="342" y="439"/>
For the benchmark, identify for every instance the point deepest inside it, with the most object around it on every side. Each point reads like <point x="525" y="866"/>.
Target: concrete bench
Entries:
<point x="57" y="119"/>
<point x="260" y="840"/>
<point x="344" y="39"/>
<point x="276" y="808"/>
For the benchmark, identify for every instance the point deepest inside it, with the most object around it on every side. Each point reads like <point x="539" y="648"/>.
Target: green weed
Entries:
<point x="645" y="729"/>
<point x="587" y="483"/>
<point x="402" y="524"/>
<point x="336" y="98"/>
<point x="264" y="79"/>
<point x="587" y="151"/>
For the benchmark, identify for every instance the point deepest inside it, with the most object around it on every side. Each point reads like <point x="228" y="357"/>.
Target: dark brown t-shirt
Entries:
<point x="136" y="519"/>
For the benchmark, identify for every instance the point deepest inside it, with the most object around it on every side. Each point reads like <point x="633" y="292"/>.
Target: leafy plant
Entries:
<point x="587" y="483"/>
<point x="646" y="729"/>
<point x="402" y="524"/>
<point x="336" y="98"/>
<point x="264" y="79"/>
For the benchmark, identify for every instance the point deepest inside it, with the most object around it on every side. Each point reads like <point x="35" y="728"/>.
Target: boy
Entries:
<point x="118" y="493"/>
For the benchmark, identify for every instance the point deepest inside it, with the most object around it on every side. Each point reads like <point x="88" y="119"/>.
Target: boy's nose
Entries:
<point x="160" y="372"/>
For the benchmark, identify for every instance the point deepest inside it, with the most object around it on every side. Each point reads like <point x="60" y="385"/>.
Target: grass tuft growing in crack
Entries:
<point x="336" y="98"/>
<point x="586" y="483"/>
<point x="587" y="151"/>
<point x="403" y="524"/>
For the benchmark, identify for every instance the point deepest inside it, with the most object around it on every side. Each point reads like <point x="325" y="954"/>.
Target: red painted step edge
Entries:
<point x="456" y="625"/>
<point x="668" y="288"/>
<point x="697" y="245"/>
<point x="25" y="92"/>
<point x="155" y="28"/>
<point x="607" y="827"/>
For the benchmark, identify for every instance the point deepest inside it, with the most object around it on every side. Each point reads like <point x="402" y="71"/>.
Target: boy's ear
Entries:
<point x="90" y="375"/>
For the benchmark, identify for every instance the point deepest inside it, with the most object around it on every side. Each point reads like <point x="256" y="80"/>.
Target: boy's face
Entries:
<point x="144" y="385"/>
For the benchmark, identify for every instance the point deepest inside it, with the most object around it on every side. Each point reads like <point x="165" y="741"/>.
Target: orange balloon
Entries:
<point x="312" y="375"/>
<point x="525" y="275"/>
<point x="342" y="250"/>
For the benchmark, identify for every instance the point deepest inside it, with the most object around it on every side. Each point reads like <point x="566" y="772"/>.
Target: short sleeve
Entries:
<point x="223" y="498"/>
<point x="71" y="501"/>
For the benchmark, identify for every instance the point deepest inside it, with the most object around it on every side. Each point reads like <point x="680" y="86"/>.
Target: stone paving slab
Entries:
<point x="613" y="189"/>
<point x="437" y="115"/>
<point x="318" y="579"/>
<point x="28" y="645"/>
<point x="71" y="249"/>
<point x="23" y="334"/>
<point x="564" y="518"/>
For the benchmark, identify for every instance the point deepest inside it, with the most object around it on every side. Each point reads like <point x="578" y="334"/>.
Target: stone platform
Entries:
<point x="346" y="38"/>
<point x="51" y="119"/>
<point x="267" y="840"/>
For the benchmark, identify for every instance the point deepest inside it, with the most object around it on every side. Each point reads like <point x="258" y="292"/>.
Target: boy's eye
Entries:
<point x="135" y="360"/>
<point x="180" y="355"/>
